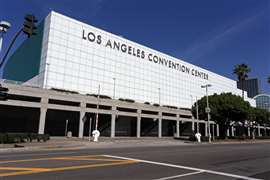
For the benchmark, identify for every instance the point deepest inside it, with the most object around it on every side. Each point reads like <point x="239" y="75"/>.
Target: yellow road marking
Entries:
<point x="88" y="159"/>
<point x="40" y="170"/>
<point x="40" y="159"/>
<point x="22" y="169"/>
<point x="93" y="165"/>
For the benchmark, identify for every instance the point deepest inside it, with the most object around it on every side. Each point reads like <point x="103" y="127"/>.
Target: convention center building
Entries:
<point x="83" y="61"/>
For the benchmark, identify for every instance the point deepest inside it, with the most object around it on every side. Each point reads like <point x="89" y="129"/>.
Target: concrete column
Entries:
<point x="213" y="130"/>
<point x="160" y="125"/>
<point x="139" y="123"/>
<point x="205" y="128"/>
<point x="43" y="112"/>
<point x="177" y="128"/>
<point x="217" y="130"/>
<point x="259" y="131"/>
<point x="81" y="123"/>
<point x="249" y="131"/>
<point x="113" y="122"/>
<point x="232" y="129"/>
<point x="82" y="119"/>
<point x="42" y="120"/>
<point x="113" y="126"/>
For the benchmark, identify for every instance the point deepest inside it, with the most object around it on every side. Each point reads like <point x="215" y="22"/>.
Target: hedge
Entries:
<point x="6" y="138"/>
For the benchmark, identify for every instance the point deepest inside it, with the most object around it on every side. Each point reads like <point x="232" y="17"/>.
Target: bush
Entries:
<point x="171" y="107"/>
<point x="8" y="138"/>
<point x="127" y="100"/>
<point x="32" y="136"/>
<point x="262" y="137"/>
<point x="101" y="96"/>
<point x="64" y="91"/>
<point x="130" y="100"/>
<point x="3" y="138"/>
<point x="155" y="104"/>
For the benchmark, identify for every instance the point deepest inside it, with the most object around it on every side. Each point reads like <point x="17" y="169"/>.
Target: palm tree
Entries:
<point x="241" y="70"/>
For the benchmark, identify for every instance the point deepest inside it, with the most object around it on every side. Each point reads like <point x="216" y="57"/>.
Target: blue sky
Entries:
<point x="213" y="34"/>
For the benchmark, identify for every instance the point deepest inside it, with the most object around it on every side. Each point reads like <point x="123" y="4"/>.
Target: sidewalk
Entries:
<point x="57" y="143"/>
<point x="63" y="143"/>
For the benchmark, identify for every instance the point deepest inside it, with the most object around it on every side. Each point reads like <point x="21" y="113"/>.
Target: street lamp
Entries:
<point x="96" y="126"/>
<point x="159" y="96"/>
<point x="46" y="72"/>
<point x="114" y="88"/>
<point x="4" y="26"/>
<point x="89" y="132"/>
<point x="191" y="102"/>
<point x="207" y="110"/>
<point x="66" y="127"/>
<point x="197" y="115"/>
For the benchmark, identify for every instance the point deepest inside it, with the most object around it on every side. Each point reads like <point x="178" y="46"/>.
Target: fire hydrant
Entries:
<point x="198" y="137"/>
<point x="96" y="134"/>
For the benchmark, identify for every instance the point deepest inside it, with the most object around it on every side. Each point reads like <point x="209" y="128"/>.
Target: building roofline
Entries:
<point x="261" y="95"/>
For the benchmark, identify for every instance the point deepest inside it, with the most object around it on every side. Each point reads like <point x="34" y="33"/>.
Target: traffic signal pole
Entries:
<point x="9" y="47"/>
<point x="28" y="28"/>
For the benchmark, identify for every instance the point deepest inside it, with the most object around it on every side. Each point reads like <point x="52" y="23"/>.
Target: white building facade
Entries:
<point x="79" y="57"/>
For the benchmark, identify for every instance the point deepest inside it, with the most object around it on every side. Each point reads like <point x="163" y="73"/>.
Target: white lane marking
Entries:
<point x="185" y="167"/>
<point x="181" y="175"/>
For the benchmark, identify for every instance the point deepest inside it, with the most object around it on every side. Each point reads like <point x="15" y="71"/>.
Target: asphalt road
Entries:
<point x="227" y="161"/>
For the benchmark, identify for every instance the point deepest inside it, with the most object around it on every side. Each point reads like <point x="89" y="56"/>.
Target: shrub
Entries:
<point x="64" y="91"/>
<point x="3" y="138"/>
<point x="262" y="137"/>
<point x="129" y="100"/>
<point x="32" y="136"/>
<point x="43" y="137"/>
<point x="171" y="107"/>
<point x="22" y="137"/>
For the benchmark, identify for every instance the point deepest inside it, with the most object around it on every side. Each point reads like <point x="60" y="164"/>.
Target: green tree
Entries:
<point x="241" y="70"/>
<point x="225" y="108"/>
<point x="258" y="116"/>
<point x="261" y="116"/>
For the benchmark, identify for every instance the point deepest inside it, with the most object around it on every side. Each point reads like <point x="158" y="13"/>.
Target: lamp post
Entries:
<point x="89" y="132"/>
<point x="207" y="110"/>
<point x="96" y="127"/>
<point x="46" y="72"/>
<point x="66" y="127"/>
<point x="197" y="114"/>
<point x="114" y="88"/>
<point x="4" y="26"/>
<point x="159" y="96"/>
<point x="191" y="102"/>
